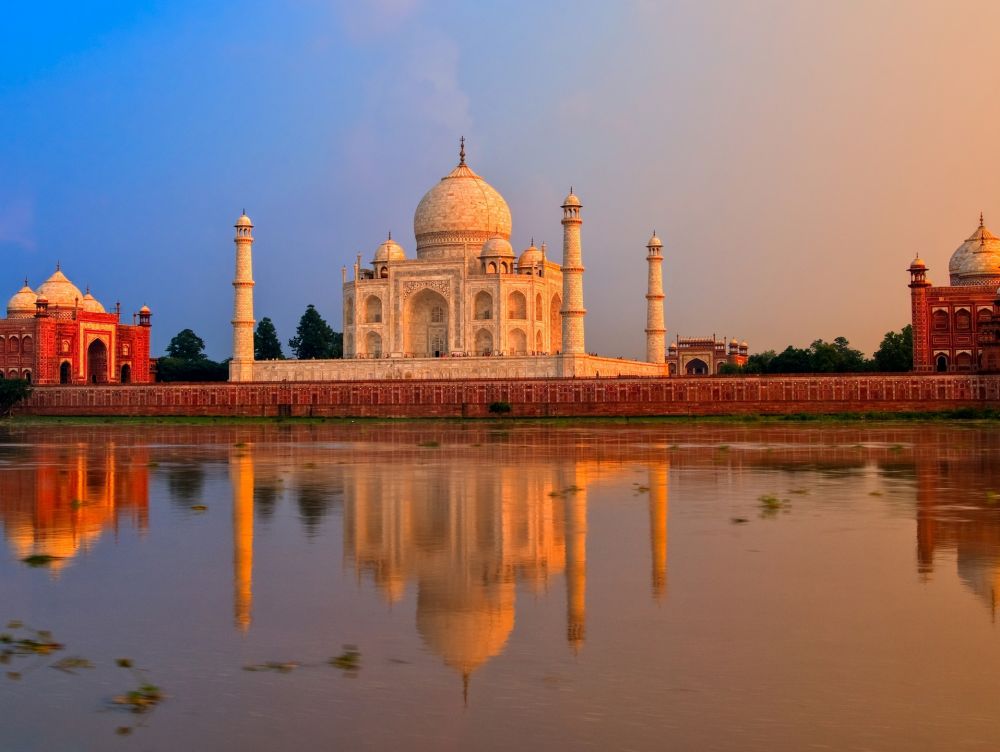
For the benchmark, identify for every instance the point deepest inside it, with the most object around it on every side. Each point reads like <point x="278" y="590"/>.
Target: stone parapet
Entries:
<point x="552" y="397"/>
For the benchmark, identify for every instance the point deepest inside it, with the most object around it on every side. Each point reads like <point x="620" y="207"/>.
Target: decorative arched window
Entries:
<point x="64" y="346"/>
<point x="13" y="344"/>
<point x="940" y="321"/>
<point x="437" y="315"/>
<point x="27" y="376"/>
<point x="349" y="311"/>
<point x="963" y="320"/>
<point x="383" y="272"/>
<point x="538" y="307"/>
<point x="941" y="363"/>
<point x="27" y="345"/>
<point x="984" y="315"/>
<point x="517" y="306"/>
<point x="492" y="268"/>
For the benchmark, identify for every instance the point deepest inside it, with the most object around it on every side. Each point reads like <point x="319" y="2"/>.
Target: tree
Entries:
<point x="266" y="345"/>
<point x="12" y="391"/>
<point x="186" y="345"/>
<point x="896" y="351"/>
<point x="314" y="338"/>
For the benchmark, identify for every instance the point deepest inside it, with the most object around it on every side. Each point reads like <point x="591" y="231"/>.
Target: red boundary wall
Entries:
<point x="528" y="397"/>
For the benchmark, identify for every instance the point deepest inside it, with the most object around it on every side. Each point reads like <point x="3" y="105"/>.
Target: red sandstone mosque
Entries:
<point x="58" y="335"/>
<point x="956" y="328"/>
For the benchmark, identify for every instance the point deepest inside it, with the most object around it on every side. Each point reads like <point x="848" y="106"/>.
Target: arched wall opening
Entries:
<point x="373" y="344"/>
<point x="65" y="372"/>
<point x="97" y="362"/>
<point x="373" y="310"/>
<point x="555" y="325"/>
<point x="517" y="306"/>
<point x="484" y="342"/>
<point x="425" y="333"/>
<point x="483" y="306"/>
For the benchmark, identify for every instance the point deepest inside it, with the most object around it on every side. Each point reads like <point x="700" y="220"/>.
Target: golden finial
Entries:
<point x="461" y="151"/>
<point x="390" y="234"/>
<point x="58" y="265"/>
<point x="980" y="219"/>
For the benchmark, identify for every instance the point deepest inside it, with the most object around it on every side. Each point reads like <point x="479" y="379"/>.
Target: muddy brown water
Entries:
<point x="504" y="586"/>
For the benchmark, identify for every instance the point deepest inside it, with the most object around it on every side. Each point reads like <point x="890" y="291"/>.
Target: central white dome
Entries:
<point x="458" y="215"/>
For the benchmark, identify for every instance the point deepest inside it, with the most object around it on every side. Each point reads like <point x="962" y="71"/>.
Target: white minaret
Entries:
<point x="572" y="271"/>
<point x="655" y="330"/>
<point x="241" y="367"/>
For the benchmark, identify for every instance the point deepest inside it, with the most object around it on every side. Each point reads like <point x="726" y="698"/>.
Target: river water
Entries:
<point x="498" y="586"/>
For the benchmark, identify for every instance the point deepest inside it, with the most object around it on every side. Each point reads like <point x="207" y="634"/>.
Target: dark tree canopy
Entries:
<point x="266" y="345"/>
<point x="12" y="391"/>
<point x="314" y="339"/>
<point x="186" y="345"/>
<point x="896" y="351"/>
<point x="820" y="357"/>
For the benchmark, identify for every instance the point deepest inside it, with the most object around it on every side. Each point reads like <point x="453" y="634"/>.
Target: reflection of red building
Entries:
<point x="56" y="335"/>
<point x="62" y="498"/>
<point x="948" y="320"/>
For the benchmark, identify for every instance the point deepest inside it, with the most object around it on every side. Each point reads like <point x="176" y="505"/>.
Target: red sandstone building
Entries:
<point x="703" y="356"/>
<point x="56" y="335"/>
<point x="954" y="326"/>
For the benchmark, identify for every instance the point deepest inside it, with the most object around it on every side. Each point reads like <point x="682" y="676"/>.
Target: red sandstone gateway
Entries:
<point x="56" y="335"/>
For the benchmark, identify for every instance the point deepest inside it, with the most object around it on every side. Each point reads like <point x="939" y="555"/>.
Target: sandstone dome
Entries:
<point x="497" y="247"/>
<point x="22" y="303"/>
<point x="60" y="291"/>
<point x="977" y="260"/>
<point x="529" y="256"/>
<point x="91" y="304"/>
<point x="390" y="250"/>
<point x="461" y="211"/>
<point x="654" y="241"/>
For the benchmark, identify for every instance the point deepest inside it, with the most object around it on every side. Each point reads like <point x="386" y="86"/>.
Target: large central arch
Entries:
<point x="425" y="324"/>
<point x="97" y="362"/>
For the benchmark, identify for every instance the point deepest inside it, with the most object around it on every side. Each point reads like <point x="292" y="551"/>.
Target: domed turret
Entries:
<point x="529" y="257"/>
<point x="60" y="291"/>
<point x="390" y="250"/>
<point x="572" y="199"/>
<point x="90" y="304"/>
<point x="654" y="241"/>
<point x="497" y="255"/>
<point x="22" y="303"/>
<point x="460" y="212"/>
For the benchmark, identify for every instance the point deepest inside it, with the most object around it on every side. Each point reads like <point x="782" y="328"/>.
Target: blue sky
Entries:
<point x="793" y="155"/>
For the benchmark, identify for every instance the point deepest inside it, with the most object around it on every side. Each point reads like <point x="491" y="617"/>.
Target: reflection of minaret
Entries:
<point x="576" y="564"/>
<point x="241" y="476"/>
<point x="927" y="483"/>
<point x="658" y="526"/>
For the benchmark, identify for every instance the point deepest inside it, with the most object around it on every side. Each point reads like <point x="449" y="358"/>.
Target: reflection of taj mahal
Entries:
<point x="466" y="306"/>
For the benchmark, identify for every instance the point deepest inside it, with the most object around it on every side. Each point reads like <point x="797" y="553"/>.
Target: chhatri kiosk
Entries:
<point x="466" y="306"/>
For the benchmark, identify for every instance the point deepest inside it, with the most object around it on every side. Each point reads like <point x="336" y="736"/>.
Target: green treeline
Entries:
<point x="186" y="360"/>
<point x="894" y="354"/>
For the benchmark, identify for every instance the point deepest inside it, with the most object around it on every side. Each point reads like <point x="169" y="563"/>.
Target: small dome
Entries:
<point x="969" y="264"/>
<point x="734" y="341"/>
<point x="244" y="221"/>
<point x="744" y="344"/>
<point x="22" y="303"/>
<point x="91" y="304"/>
<point x="60" y="291"/>
<point x="654" y="242"/>
<point x="497" y="247"/>
<point x="144" y="309"/>
<point x="673" y="346"/>
<point x="390" y="250"/>
<point x="918" y="263"/>
<point x="572" y="199"/>
<point x="529" y="256"/>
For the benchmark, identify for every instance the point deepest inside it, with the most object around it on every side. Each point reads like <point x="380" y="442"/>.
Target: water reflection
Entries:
<point x="58" y="500"/>
<point x="468" y="517"/>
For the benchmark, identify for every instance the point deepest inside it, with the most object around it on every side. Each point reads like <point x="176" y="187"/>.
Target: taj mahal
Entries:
<point x="466" y="306"/>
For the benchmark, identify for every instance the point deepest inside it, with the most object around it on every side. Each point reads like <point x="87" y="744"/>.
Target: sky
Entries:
<point x="793" y="155"/>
